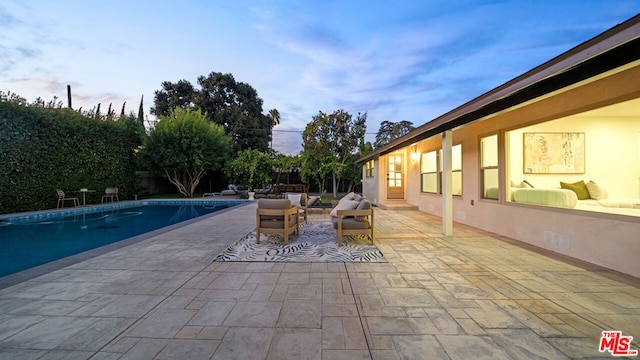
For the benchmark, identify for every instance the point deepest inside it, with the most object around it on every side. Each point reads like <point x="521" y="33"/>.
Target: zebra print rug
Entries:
<point x="317" y="242"/>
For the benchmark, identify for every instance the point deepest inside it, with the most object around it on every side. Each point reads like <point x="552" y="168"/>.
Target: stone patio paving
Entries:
<point x="474" y="295"/>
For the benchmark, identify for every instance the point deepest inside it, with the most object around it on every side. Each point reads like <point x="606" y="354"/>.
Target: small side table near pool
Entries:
<point x="84" y="192"/>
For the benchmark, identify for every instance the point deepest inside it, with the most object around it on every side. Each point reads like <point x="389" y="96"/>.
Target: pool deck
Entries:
<point x="474" y="295"/>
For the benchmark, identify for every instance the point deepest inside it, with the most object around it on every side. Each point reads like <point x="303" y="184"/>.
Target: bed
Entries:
<point x="562" y="198"/>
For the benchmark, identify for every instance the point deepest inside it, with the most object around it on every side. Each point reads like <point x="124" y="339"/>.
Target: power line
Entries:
<point x="301" y="131"/>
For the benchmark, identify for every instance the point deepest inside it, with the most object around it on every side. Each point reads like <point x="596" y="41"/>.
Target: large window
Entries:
<point x="489" y="166"/>
<point x="431" y="171"/>
<point x="608" y="183"/>
<point x="370" y="168"/>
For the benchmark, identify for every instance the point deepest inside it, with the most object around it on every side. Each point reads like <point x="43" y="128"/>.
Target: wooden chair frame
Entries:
<point x="289" y="226"/>
<point x="347" y="232"/>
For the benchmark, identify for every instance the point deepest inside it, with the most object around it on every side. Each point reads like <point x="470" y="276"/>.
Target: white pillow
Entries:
<point x="344" y="205"/>
<point x="295" y="199"/>
<point x="349" y="196"/>
<point x="595" y="191"/>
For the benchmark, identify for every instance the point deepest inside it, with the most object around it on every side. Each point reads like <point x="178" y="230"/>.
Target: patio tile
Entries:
<point x="255" y="314"/>
<point x="188" y="349"/>
<point x="133" y="306"/>
<point x="212" y="313"/>
<point x="304" y="292"/>
<point x="296" y="344"/>
<point x="48" y="333"/>
<point x="420" y="347"/>
<point x="390" y="325"/>
<point x="245" y="343"/>
<point x="525" y="344"/>
<point x="471" y="347"/>
<point x="162" y="323"/>
<point x="489" y="315"/>
<point x="305" y="313"/>
<point x="407" y="297"/>
<point x="346" y="354"/>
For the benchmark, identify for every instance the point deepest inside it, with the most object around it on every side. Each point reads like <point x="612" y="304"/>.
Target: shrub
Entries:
<point x="42" y="149"/>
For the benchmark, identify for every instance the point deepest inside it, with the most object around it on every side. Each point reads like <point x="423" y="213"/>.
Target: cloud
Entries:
<point x="7" y="19"/>
<point x="12" y="56"/>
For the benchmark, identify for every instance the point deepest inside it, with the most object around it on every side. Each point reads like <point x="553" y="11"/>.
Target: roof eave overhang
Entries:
<point x="612" y="49"/>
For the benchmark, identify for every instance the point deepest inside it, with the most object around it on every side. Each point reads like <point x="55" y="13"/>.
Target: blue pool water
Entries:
<point x="26" y="242"/>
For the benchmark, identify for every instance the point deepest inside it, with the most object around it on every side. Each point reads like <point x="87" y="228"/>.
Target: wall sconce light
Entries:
<point x="415" y="155"/>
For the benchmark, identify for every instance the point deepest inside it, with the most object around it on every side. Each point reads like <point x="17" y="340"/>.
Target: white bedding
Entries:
<point x="549" y="197"/>
<point x="613" y="203"/>
<point x="629" y="207"/>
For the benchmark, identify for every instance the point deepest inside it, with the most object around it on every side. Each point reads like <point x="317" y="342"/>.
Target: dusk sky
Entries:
<point x="401" y="60"/>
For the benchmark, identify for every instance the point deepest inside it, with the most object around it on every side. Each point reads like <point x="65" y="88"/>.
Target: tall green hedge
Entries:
<point x="44" y="149"/>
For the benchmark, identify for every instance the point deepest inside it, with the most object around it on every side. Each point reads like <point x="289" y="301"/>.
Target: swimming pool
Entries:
<point x="30" y="240"/>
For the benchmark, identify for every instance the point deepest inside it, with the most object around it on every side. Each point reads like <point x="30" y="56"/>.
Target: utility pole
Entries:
<point x="69" y="96"/>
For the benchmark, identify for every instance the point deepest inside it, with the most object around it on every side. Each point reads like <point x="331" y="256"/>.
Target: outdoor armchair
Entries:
<point x="353" y="217"/>
<point x="276" y="216"/>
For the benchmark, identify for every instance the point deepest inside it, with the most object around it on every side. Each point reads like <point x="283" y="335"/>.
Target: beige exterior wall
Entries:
<point x="370" y="184"/>
<point x="608" y="240"/>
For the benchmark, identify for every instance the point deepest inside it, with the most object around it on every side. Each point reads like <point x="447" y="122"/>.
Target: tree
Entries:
<point x="234" y="105"/>
<point x="141" y="111"/>
<point x="251" y="168"/>
<point x="110" y="114"/>
<point x="274" y="115"/>
<point x="331" y="139"/>
<point x="184" y="146"/>
<point x="390" y="131"/>
<point x="285" y="163"/>
<point x="173" y="96"/>
<point x="315" y="164"/>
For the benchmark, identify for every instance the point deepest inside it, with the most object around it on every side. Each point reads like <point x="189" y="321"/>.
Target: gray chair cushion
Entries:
<point x="350" y="224"/>
<point x="274" y="204"/>
<point x="275" y="223"/>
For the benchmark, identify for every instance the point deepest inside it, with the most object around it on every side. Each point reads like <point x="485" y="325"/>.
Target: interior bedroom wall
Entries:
<point x="612" y="154"/>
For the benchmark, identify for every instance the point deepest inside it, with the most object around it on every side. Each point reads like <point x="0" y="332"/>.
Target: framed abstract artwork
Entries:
<point x="553" y="153"/>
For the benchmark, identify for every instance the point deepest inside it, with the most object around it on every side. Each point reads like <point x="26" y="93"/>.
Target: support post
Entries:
<point x="447" y="183"/>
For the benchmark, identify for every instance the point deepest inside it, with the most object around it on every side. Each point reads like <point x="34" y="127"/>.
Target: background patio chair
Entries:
<point x="62" y="198"/>
<point x="265" y="191"/>
<point x="276" y="216"/>
<point x="110" y="193"/>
